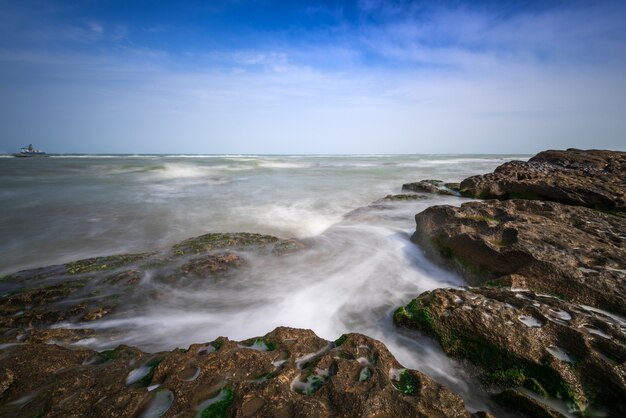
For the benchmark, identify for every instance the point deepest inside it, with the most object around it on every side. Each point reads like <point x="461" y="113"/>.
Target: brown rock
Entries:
<point x="429" y="186"/>
<point x="593" y="178"/>
<point x="212" y="263"/>
<point x="574" y="252"/>
<point x="288" y="372"/>
<point x="6" y="380"/>
<point x="529" y="339"/>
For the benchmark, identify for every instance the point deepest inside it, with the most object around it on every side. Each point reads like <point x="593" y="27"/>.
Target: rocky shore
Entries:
<point x="542" y="323"/>
<point x="546" y="318"/>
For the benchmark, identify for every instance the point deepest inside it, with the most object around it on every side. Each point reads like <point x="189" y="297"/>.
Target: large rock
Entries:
<point x="526" y="339"/>
<point x="286" y="373"/>
<point x="570" y="251"/>
<point x="593" y="178"/>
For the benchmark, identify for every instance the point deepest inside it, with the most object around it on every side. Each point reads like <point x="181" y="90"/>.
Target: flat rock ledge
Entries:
<point x="33" y="301"/>
<point x="525" y="341"/>
<point x="591" y="178"/>
<point x="286" y="373"/>
<point x="576" y="253"/>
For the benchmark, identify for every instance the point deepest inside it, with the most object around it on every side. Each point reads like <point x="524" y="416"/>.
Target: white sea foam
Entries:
<point x="183" y="171"/>
<point x="272" y="164"/>
<point x="299" y="219"/>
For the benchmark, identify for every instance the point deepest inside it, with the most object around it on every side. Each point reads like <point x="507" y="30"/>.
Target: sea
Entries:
<point x="358" y="267"/>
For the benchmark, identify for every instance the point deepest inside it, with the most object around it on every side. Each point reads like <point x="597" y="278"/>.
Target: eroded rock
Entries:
<point x="575" y="252"/>
<point x="592" y="178"/>
<point x="430" y="186"/>
<point x="288" y="372"/>
<point x="531" y="340"/>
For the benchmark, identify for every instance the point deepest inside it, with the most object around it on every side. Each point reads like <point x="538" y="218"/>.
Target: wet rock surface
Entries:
<point x="32" y="301"/>
<point x="593" y="178"/>
<point x="574" y="252"/>
<point x="524" y="339"/>
<point x="431" y="186"/>
<point x="548" y="263"/>
<point x="288" y="372"/>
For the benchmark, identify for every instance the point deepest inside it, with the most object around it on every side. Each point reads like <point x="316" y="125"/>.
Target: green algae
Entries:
<point x="212" y="241"/>
<point x="339" y="341"/>
<point x="110" y="354"/>
<point x="147" y="379"/>
<point x="535" y="386"/>
<point x="513" y="377"/>
<point x="261" y="344"/>
<point x="496" y="284"/>
<point x="403" y="197"/>
<point x="407" y="383"/>
<point x="500" y="367"/>
<point x="97" y="264"/>
<point x="313" y="384"/>
<point x="219" y="409"/>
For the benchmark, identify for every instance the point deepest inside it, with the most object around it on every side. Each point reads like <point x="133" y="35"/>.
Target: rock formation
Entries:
<point x="527" y="339"/>
<point x="286" y="373"/>
<point x="547" y="264"/>
<point x="574" y="252"/>
<point x="595" y="179"/>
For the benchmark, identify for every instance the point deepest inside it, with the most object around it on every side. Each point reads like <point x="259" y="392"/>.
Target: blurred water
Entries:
<point x="355" y="273"/>
<point x="61" y="208"/>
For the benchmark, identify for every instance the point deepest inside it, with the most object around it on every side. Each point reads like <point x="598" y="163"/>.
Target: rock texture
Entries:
<point x="543" y="257"/>
<point x="431" y="186"/>
<point x="87" y="290"/>
<point x="286" y="373"/>
<point x="570" y="251"/>
<point x="537" y="341"/>
<point x="593" y="178"/>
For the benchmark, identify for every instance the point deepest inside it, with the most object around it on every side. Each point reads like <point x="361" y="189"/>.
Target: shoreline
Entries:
<point x="463" y="255"/>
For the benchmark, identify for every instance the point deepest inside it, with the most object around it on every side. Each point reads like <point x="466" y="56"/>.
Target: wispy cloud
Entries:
<point x="374" y="76"/>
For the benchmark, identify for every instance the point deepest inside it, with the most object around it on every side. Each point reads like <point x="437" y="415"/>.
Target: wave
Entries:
<point x="284" y="165"/>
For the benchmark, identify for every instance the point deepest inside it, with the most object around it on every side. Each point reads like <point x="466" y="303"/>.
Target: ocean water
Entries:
<point x="354" y="274"/>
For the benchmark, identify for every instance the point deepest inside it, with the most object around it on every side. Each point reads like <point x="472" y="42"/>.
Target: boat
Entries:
<point x="29" y="151"/>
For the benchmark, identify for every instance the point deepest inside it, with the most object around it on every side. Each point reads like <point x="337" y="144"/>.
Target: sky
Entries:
<point x="292" y="77"/>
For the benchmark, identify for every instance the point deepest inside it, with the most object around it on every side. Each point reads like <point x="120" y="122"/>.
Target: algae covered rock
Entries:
<point x="288" y="372"/>
<point x="591" y="178"/>
<point x="80" y="292"/>
<point x="575" y="252"/>
<point x="529" y="340"/>
<point x="214" y="241"/>
<point x="430" y="186"/>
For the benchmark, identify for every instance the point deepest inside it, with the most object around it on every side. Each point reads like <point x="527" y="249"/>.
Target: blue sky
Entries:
<point x="312" y="77"/>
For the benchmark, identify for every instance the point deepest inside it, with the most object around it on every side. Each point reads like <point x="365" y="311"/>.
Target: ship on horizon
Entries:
<point x="29" y="151"/>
